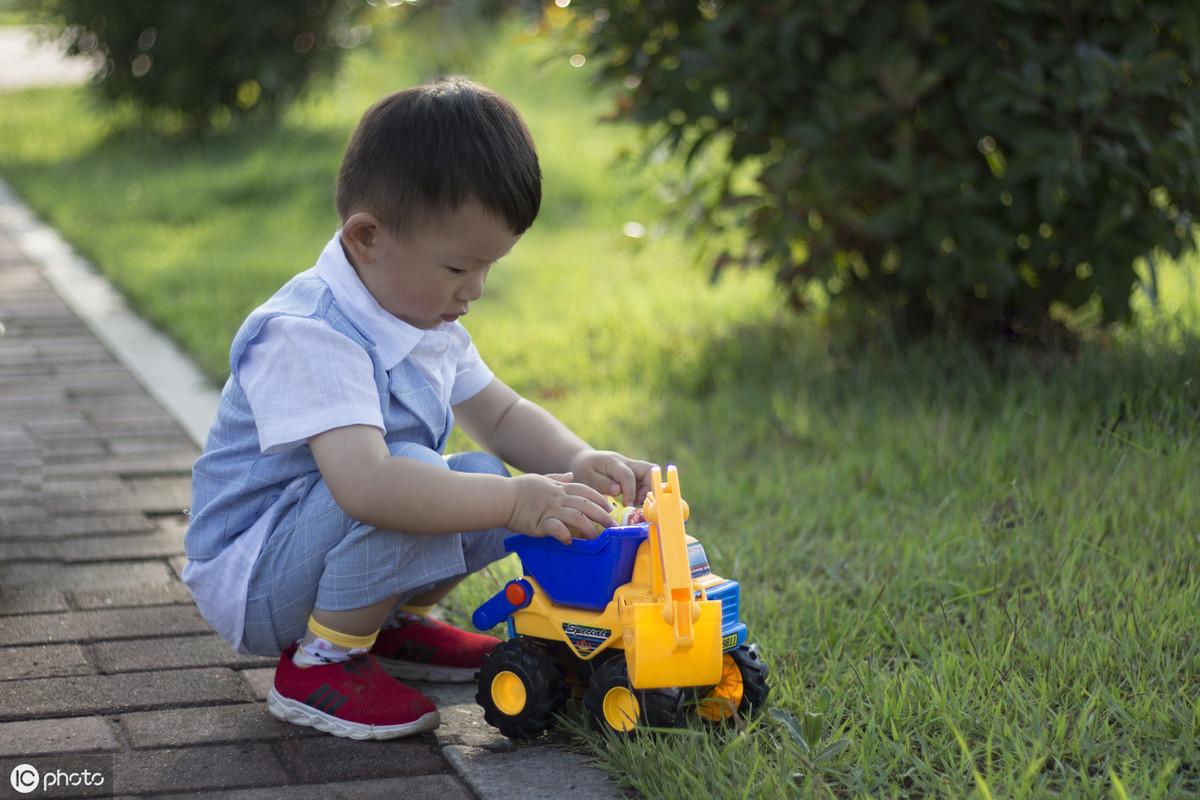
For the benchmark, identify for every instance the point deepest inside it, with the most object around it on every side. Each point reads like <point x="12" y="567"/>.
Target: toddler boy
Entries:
<point x="326" y="522"/>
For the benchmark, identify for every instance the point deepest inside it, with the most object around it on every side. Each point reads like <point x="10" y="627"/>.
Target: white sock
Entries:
<point x="323" y="645"/>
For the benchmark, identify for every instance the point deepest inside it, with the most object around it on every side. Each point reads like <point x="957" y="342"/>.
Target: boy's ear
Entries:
<point x="359" y="234"/>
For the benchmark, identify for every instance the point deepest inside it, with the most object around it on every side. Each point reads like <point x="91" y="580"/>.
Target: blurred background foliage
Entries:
<point x="989" y="168"/>
<point x="1009" y="170"/>
<point x="193" y="66"/>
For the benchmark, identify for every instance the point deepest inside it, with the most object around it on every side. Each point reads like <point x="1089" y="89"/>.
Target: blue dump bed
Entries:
<point x="585" y="573"/>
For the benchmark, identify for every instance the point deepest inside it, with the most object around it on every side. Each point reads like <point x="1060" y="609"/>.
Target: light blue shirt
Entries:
<point x="320" y="354"/>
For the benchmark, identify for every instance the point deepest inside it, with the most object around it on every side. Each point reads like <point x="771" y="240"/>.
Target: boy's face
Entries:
<point x="431" y="275"/>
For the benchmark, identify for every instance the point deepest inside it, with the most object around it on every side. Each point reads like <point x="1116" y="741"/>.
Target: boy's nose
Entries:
<point x="472" y="290"/>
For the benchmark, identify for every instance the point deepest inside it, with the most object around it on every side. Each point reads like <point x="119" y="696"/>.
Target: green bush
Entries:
<point x="207" y="63"/>
<point x="975" y="166"/>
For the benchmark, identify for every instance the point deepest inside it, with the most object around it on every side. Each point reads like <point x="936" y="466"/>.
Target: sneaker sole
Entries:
<point x="298" y="713"/>
<point x="414" y="671"/>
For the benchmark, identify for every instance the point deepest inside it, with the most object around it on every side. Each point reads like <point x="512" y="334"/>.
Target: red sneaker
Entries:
<point x="355" y="699"/>
<point x="428" y="650"/>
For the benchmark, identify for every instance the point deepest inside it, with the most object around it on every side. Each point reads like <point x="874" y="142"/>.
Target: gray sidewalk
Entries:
<point x="101" y="650"/>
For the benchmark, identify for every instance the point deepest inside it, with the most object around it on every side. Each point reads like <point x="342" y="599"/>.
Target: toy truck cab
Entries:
<point x="629" y="620"/>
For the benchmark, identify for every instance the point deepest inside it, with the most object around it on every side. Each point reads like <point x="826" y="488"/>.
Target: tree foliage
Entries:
<point x="206" y="63"/>
<point x="941" y="164"/>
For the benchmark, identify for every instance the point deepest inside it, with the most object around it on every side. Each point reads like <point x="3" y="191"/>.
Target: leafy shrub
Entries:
<point x="943" y="165"/>
<point x="208" y="62"/>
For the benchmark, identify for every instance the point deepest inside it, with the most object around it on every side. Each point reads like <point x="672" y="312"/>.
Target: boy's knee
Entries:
<point x="477" y="461"/>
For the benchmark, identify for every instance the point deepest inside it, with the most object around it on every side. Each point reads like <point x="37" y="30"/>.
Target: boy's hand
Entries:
<point x="550" y="505"/>
<point x="614" y="474"/>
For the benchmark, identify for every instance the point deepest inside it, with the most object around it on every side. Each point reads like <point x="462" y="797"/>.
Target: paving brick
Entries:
<point x="79" y="525"/>
<point x="191" y="768"/>
<point x="162" y="494"/>
<point x="56" y="452"/>
<point x="43" y="317"/>
<point x="330" y="758"/>
<point x="46" y="409"/>
<point x="259" y="680"/>
<point x="43" y="661"/>
<point x="85" y="626"/>
<point x="419" y="787"/>
<point x="105" y="365"/>
<point x="16" y="402"/>
<point x="11" y="551"/>
<point x="119" y="500"/>
<point x="541" y="771"/>
<point x="65" y="360"/>
<point x="161" y="594"/>
<point x="111" y="380"/>
<point x="178" y="461"/>
<point x="69" y="735"/>
<point x="30" y="600"/>
<point x="82" y="342"/>
<point x="16" y="491"/>
<point x="149" y="424"/>
<point x="72" y="424"/>
<point x="85" y="576"/>
<point x="143" y="408"/>
<point x="150" y="445"/>
<point x="208" y="725"/>
<point x="171" y="652"/>
<point x="93" y="694"/>
<point x="21" y="371"/>
<point x="82" y="487"/>
<point x="46" y="332"/>
<point x="102" y="524"/>
<point x="107" y="548"/>
<point x="17" y="514"/>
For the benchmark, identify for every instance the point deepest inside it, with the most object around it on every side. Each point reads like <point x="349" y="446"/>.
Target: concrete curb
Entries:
<point x="492" y="766"/>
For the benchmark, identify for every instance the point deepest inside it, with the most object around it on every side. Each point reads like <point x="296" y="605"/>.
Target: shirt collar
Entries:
<point x="394" y="338"/>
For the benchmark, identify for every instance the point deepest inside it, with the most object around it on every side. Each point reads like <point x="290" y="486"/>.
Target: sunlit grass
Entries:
<point x="981" y="575"/>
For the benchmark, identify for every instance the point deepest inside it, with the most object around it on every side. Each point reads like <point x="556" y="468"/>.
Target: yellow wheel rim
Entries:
<point x="621" y="709"/>
<point x="508" y="693"/>
<point x="726" y="696"/>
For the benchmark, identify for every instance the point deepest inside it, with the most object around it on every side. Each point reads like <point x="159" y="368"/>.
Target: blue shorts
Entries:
<point x="319" y="557"/>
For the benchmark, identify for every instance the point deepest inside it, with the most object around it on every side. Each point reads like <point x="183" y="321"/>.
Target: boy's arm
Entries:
<point x="533" y="440"/>
<point x="521" y="432"/>
<point x="409" y="495"/>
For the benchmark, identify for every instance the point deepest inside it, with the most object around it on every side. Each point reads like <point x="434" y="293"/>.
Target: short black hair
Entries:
<point x="427" y="150"/>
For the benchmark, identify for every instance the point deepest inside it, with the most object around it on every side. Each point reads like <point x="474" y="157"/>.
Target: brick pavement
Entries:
<point x="102" y="654"/>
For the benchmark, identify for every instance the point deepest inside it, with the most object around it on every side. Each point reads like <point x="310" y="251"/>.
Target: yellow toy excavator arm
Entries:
<point x="670" y="574"/>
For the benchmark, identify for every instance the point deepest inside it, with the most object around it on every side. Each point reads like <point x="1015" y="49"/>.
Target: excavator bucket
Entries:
<point x="656" y="662"/>
<point x="675" y="641"/>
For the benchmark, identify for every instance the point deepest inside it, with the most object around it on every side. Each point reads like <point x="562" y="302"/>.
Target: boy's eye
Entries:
<point x="455" y="270"/>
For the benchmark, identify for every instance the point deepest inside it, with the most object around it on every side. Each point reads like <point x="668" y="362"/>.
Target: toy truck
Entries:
<point x="633" y="620"/>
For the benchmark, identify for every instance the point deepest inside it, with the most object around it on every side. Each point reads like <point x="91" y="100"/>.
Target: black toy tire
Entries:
<point x="755" y="688"/>
<point x="543" y="681"/>
<point x="657" y="708"/>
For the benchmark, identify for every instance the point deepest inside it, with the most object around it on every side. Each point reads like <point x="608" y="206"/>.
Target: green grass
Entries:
<point x="981" y="577"/>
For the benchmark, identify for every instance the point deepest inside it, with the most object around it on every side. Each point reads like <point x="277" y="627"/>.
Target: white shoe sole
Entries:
<point x="298" y="713"/>
<point x="412" y="671"/>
